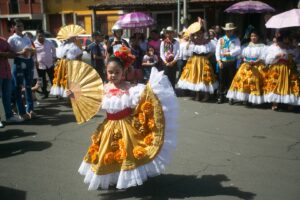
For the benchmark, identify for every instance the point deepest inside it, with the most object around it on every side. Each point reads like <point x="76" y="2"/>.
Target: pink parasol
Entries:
<point x="286" y="19"/>
<point x="135" y="20"/>
<point x="249" y="7"/>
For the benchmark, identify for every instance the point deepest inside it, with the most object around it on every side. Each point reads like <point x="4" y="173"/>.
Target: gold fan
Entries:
<point x="69" y="31"/>
<point x="87" y="87"/>
<point x="193" y="28"/>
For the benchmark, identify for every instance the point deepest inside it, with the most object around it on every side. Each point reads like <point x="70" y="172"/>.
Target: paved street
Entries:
<point x="224" y="153"/>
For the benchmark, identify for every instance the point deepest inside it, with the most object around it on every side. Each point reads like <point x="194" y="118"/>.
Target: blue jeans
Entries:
<point x="180" y="65"/>
<point x="22" y="72"/>
<point x="147" y="72"/>
<point x="5" y="87"/>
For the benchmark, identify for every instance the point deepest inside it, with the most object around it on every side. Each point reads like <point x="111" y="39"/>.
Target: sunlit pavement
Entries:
<point x="223" y="153"/>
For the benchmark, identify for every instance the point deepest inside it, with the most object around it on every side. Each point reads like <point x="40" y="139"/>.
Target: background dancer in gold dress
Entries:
<point x="282" y="82"/>
<point x="198" y="74"/>
<point x="247" y="85"/>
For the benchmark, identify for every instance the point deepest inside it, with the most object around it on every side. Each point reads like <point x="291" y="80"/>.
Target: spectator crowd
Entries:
<point x="203" y="63"/>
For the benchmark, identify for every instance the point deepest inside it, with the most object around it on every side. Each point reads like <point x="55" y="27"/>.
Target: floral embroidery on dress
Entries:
<point x="117" y="151"/>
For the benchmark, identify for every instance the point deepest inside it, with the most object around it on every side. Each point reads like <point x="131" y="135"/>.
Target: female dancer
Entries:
<point x="134" y="141"/>
<point x="198" y="74"/>
<point x="247" y="84"/>
<point x="282" y="83"/>
<point x="69" y="50"/>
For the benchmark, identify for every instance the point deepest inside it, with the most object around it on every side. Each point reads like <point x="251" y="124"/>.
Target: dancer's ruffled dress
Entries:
<point x="134" y="142"/>
<point x="282" y="81"/>
<point x="65" y="52"/>
<point x="247" y="84"/>
<point x="198" y="74"/>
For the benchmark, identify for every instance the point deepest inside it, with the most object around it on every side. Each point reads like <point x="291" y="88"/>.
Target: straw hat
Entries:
<point x="212" y="30"/>
<point x="194" y="27"/>
<point x="229" y="26"/>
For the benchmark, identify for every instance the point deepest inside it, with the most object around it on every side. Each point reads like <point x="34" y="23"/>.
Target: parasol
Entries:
<point x="286" y="19"/>
<point x="87" y="87"/>
<point x="135" y="20"/>
<point x="69" y="31"/>
<point x="249" y="7"/>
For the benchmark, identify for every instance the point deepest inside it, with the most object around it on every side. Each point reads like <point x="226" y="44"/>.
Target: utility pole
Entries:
<point x="184" y="13"/>
<point x="178" y="16"/>
<point x="94" y="19"/>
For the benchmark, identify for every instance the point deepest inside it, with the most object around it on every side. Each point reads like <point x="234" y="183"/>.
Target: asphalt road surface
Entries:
<point x="224" y="153"/>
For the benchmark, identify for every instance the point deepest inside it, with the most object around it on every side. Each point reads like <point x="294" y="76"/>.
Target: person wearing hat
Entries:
<point x="117" y="41"/>
<point x="198" y="74"/>
<point x="227" y="49"/>
<point x="98" y="54"/>
<point x="169" y="52"/>
<point x="185" y="51"/>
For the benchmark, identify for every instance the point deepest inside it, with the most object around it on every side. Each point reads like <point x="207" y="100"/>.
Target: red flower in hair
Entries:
<point x="125" y="55"/>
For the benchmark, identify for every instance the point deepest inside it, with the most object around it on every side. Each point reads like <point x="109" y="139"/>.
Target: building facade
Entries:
<point x="30" y="11"/>
<point x="64" y="12"/>
<point x="102" y="14"/>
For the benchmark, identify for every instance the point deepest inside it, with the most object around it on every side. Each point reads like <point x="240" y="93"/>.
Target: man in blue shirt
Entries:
<point x="98" y="54"/>
<point x="227" y="50"/>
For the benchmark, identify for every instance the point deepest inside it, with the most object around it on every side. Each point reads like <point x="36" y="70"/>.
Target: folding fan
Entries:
<point x="69" y="31"/>
<point x="87" y="87"/>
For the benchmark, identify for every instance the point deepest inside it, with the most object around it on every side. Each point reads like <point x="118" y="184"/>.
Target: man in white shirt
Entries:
<point x="169" y="52"/>
<point x="22" y="70"/>
<point x="227" y="49"/>
<point x="45" y="56"/>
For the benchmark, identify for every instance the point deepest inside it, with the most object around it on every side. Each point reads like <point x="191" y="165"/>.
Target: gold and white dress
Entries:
<point x="134" y="142"/>
<point x="65" y="52"/>
<point x="247" y="84"/>
<point x="282" y="80"/>
<point x="198" y="73"/>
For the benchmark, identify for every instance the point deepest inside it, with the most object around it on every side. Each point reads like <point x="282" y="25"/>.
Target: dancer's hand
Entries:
<point x="70" y="94"/>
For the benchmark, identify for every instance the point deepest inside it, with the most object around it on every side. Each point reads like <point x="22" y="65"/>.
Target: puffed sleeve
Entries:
<point x="237" y="48"/>
<point x="73" y="51"/>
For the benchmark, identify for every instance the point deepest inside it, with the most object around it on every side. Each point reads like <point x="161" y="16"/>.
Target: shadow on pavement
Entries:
<point x="11" y="194"/>
<point x="168" y="186"/>
<point x="14" y="133"/>
<point x="16" y="148"/>
<point x="45" y="118"/>
<point x="52" y="112"/>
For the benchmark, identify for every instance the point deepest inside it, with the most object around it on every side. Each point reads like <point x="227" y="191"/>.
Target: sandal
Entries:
<point x="32" y="115"/>
<point x="26" y="117"/>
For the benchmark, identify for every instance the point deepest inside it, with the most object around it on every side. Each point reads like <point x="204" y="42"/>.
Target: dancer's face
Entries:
<point x="253" y="38"/>
<point x="114" y="72"/>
